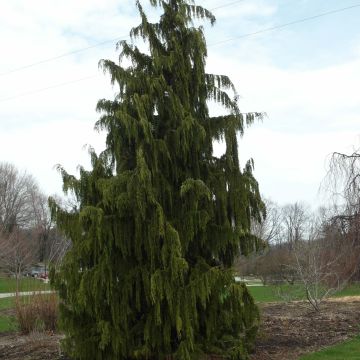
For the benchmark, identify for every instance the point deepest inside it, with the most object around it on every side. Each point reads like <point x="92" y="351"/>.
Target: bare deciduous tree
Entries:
<point x="295" y="218"/>
<point x="320" y="266"/>
<point x="15" y="197"/>
<point x="18" y="251"/>
<point x="343" y="181"/>
<point x="52" y="246"/>
<point x="270" y="228"/>
<point x="326" y="259"/>
<point x="27" y="234"/>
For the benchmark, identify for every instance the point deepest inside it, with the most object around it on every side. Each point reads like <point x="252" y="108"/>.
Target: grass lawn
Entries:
<point x="349" y="350"/>
<point x="7" y="303"/>
<point x="270" y="293"/>
<point x="7" y="323"/>
<point x="8" y="285"/>
<point x="351" y="290"/>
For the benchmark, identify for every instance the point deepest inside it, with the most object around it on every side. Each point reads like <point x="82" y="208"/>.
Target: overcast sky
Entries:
<point x="306" y="77"/>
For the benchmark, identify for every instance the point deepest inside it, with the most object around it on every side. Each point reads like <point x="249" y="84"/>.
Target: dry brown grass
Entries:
<point x="39" y="312"/>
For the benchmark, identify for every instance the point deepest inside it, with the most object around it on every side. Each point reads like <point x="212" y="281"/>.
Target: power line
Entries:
<point x="217" y="43"/>
<point x="226" y="5"/>
<point x="76" y="51"/>
<point x="58" y="56"/>
<point x="47" y="88"/>
<point x="280" y="26"/>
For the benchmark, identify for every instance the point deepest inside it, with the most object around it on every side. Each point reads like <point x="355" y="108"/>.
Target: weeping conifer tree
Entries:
<point x="160" y="218"/>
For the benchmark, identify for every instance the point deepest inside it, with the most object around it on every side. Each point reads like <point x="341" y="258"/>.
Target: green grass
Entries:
<point x="8" y="285"/>
<point x="269" y="293"/>
<point x="7" y="323"/>
<point x="351" y="290"/>
<point x="7" y="303"/>
<point x="349" y="350"/>
<point x="263" y="293"/>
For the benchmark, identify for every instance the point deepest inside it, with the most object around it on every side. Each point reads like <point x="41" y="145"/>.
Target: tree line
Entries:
<point x="27" y="233"/>
<point x="319" y="249"/>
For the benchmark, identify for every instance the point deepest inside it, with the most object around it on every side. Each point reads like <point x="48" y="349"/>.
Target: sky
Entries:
<point x="304" y="76"/>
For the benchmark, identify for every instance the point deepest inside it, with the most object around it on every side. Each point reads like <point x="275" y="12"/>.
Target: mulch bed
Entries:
<point x="287" y="331"/>
<point x="36" y="346"/>
<point x="290" y="330"/>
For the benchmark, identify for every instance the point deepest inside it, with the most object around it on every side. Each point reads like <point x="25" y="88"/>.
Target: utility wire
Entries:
<point x="280" y="26"/>
<point x="47" y="88"/>
<point x="213" y="44"/>
<point x="76" y="51"/>
<point x="226" y="5"/>
<point x="58" y="57"/>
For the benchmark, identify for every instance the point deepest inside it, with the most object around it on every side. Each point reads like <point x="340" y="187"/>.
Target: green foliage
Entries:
<point x="160" y="219"/>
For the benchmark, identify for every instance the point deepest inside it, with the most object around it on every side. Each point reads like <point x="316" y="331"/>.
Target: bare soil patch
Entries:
<point x="287" y="331"/>
<point x="290" y="330"/>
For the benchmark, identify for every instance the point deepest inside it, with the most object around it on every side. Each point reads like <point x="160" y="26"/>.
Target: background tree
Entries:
<point x="51" y="245"/>
<point x="42" y="223"/>
<point x="330" y="257"/>
<point x="269" y="230"/>
<point x="295" y="218"/>
<point x="343" y="181"/>
<point x="17" y="253"/>
<point x="324" y="266"/>
<point x="16" y="189"/>
<point x="27" y="233"/>
<point x="18" y="248"/>
<point x="160" y="218"/>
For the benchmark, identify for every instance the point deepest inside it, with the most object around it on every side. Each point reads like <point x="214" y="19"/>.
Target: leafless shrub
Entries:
<point x="37" y="312"/>
<point x="26" y="315"/>
<point x="47" y="309"/>
<point x="323" y="267"/>
<point x="269" y="230"/>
